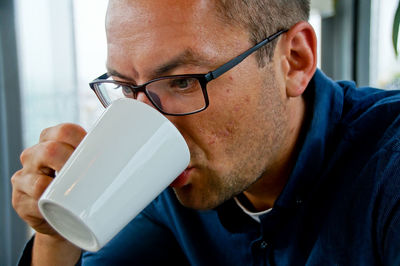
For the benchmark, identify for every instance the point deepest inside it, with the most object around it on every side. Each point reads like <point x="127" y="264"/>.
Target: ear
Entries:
<point x="299" y="54"/>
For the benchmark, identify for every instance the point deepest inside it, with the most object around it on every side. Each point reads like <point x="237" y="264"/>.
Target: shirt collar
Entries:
<point x="325" y="103"/>
<point x="254" y="215"/>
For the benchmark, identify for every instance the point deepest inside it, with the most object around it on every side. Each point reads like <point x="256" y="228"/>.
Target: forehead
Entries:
<point x="133" y="17"/>
<point x="142" y="32"/>
<point x="171" y="10"/>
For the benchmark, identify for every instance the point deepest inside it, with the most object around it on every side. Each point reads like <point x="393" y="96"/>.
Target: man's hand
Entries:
<point x="39" y="164"/>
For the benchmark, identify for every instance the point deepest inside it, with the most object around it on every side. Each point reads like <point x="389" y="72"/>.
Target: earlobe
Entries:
<point x="301" y="58"/>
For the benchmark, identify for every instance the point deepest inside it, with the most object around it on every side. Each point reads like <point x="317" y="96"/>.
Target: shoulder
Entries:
<point x="386" y="199"/>
<point x="369" y="104"/>
<point x="371" y="115"/>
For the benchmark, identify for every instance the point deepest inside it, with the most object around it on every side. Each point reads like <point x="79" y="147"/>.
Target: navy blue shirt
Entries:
<point x="340" y="206"/>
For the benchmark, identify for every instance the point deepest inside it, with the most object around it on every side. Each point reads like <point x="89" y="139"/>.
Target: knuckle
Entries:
<point x="51" y="148"/>
<point x="67" y="131"/>
<point x="24" y="205"/>
<point x="15" y="177"/>
<point x="45" y="133"/>
<point x="25" y="155"/>
<point x="14" y="203"/>
<point x="63" y="131"/>
<point x="15" y="200"/>
<point x="57" y="132"/>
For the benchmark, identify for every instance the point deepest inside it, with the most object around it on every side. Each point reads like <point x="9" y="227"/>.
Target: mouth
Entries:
<point x="183" y="179"/>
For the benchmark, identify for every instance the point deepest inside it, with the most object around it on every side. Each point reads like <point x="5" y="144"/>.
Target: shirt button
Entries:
<point x="263" y="244"/>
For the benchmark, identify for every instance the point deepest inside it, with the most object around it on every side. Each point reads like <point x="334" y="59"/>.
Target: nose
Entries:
<point x="141" y="96"/>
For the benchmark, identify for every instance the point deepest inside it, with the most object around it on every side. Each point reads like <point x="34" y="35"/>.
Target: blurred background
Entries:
<point x="51" y="49"/>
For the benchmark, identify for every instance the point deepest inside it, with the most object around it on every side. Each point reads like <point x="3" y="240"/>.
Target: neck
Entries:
<point x="263" y="193"/>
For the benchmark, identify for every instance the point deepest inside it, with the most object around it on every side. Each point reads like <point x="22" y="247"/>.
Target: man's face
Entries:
<point x="240" y="137"/>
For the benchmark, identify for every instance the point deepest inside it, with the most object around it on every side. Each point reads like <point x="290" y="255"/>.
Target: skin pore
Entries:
<point x="245" y="140"/>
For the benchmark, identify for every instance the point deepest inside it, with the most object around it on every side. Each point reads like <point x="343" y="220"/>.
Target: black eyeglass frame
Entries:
<point x="202" y="78"/>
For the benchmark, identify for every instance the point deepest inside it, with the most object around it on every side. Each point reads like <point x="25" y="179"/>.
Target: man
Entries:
<point x="287" y="167"/>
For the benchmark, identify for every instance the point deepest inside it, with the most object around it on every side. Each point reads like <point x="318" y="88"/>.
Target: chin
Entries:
<point x="196" y="201"/>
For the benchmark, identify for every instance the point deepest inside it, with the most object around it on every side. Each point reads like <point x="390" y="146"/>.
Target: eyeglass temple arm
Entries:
<point x="230" y="64"/>
<point x="104" y="76"/>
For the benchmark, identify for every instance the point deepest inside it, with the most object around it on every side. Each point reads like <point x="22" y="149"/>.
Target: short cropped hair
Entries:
<point x="263" y="17"/>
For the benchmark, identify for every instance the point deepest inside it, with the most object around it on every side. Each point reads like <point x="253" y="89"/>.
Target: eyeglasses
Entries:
<point x="175" y="95"/>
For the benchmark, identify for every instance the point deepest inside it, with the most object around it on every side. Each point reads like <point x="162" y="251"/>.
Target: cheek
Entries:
<point x="220" y="133"/>
<point x="232" y="122"/>
<point x="227" y="122"/>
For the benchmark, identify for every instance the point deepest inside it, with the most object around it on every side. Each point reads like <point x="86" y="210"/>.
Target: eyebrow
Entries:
<point x="187" y="57"/>
<point x="115" y="73"/>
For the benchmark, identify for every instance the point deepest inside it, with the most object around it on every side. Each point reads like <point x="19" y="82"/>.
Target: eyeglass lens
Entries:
<point x="177" y="95"/>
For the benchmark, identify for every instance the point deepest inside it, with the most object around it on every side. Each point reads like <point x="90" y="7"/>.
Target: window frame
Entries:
<point x="13" y="231"/>
<point x="346" y="36"/>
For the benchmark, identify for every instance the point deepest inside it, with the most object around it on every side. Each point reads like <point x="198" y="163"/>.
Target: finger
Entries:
<point x="27" y="208"/>
<point x="68" y="133"/>
<point x="46" y="157"/>
<point x="25" y="199"/>
<point x="29" y="184"/>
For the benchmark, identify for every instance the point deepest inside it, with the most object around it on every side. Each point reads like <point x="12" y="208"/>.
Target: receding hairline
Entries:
<point x="261" y="18"/>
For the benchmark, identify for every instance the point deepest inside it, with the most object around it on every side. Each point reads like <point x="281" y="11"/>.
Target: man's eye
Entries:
<point x="180" y="83"/>
<point x="183" y="84"/>
<point x="126" y="91"/>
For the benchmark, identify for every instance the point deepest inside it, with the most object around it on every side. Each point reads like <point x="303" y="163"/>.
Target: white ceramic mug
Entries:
<point x="128" y="158"/>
